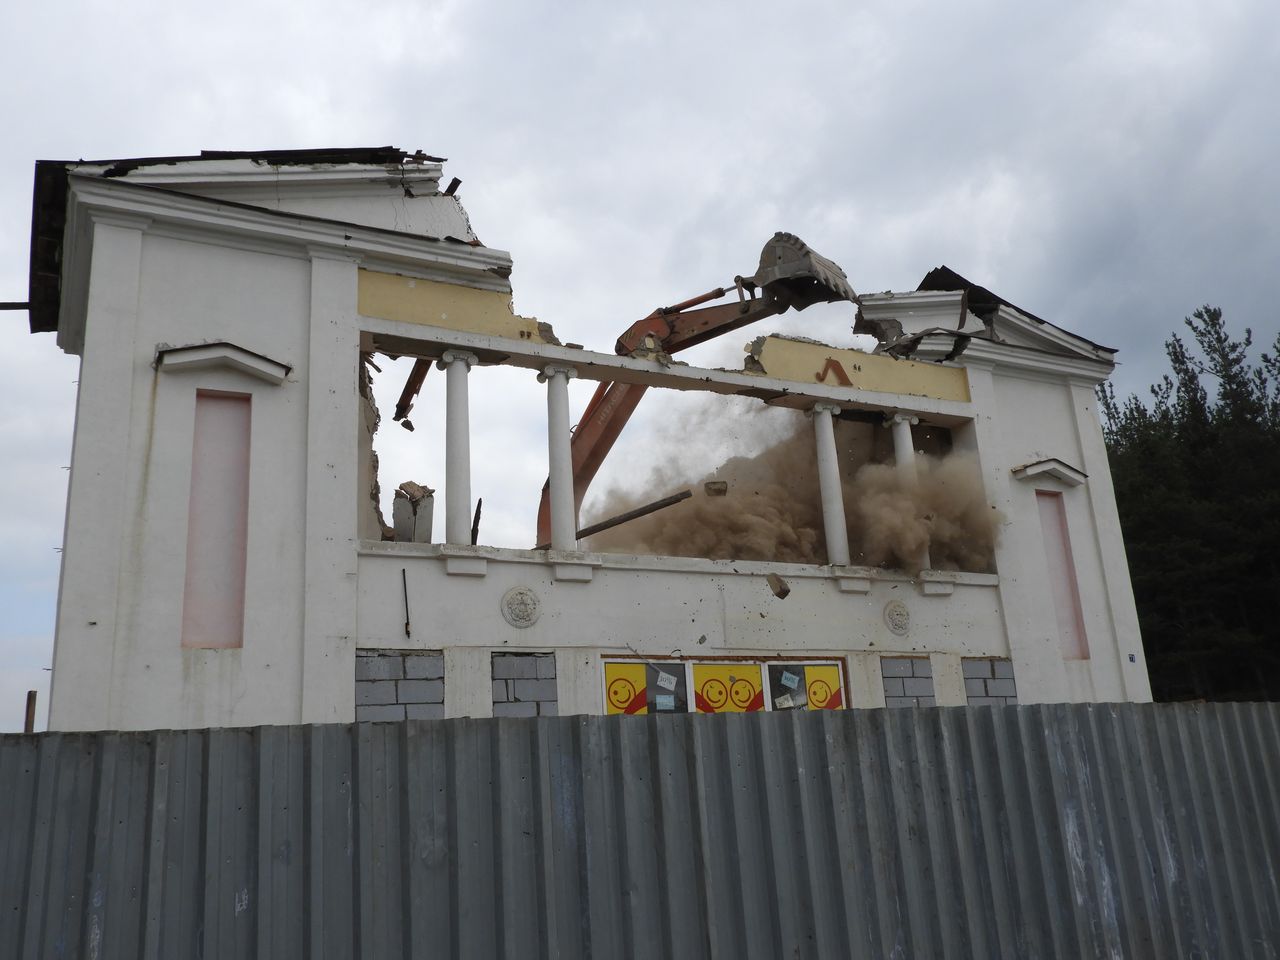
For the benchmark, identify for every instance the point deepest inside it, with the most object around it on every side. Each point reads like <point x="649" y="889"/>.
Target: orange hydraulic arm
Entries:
<point x="790" y="275"/>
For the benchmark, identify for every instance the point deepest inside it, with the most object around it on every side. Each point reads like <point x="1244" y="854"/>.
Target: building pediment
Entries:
<point x="1005" y="322"/>
<point x="1011" y="326"/>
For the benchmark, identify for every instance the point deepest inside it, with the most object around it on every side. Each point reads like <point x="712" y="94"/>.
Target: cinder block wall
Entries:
<point x="524" y="685"/>
<point x="399" y="685"/>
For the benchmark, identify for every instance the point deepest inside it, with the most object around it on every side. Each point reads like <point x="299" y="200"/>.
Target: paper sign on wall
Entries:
<point x="812" y="686"/>
<point x="637" y="688"/>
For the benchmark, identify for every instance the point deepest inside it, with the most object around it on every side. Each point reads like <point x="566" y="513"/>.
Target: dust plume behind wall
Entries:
<point x="772" y="507"/>
<point x="892" y="519"/>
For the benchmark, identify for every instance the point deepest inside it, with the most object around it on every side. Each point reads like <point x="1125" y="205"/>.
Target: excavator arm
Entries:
<point x="790" y="275"/>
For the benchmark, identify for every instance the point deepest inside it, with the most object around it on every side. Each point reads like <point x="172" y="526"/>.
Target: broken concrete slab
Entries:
<point x="412" y="512"/>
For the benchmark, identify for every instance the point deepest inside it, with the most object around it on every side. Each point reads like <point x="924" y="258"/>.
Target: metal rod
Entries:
<point x="15" y="305"/>
<point x="622" y="518"/>
<point x="715" y="294"/>
<point x="29" y="725"/>
<point x="475" y="522"/>
<point x="404" y="583"/>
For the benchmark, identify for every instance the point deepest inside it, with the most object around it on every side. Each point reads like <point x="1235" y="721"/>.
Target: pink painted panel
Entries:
<point x="217" y="522"/>
<point x="1062" y="575"/>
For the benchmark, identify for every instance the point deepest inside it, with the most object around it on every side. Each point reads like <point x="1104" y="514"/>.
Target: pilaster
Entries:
<point x="98" y="498"/>
<point x="333" y="424"/>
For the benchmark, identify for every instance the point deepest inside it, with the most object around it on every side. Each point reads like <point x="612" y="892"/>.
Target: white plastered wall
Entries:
<point x="1024" y="419"/>
<point x="315" y="592"/>
<point x="119" y="662"/>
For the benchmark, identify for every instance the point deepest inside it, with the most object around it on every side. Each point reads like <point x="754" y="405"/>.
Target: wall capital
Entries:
<point x="447" y="358"/>
<point x="124" y="220"/>
<point x="553" y="369"/>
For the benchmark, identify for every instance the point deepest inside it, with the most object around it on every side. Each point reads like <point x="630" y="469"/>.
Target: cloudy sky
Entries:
<point x="1107" y="165"/>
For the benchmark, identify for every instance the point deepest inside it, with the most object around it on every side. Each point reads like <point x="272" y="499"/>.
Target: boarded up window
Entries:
<point x="1062" y="575"/>
<point x="217" y="523"/>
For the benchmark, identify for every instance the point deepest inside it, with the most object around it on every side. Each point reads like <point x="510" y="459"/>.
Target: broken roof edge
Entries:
<point x="335" y="156"/>
<point x="51" y="191"/>
<point x="984" y="303"/>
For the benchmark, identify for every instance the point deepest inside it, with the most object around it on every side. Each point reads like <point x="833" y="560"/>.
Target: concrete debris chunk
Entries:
<point x="415" y="491"/>
<point x="716" y="488"/>
<point x="781" y="589"/>
<point x="412" y="511"/>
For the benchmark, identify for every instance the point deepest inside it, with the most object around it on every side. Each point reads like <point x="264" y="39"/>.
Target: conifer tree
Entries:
<point x="1197" y="480"/>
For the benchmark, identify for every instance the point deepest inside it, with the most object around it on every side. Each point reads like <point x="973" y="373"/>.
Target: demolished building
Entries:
<point x="226" y="565"/>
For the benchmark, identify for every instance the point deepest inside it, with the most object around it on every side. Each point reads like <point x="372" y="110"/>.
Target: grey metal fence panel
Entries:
<point x="1020" y="831"/>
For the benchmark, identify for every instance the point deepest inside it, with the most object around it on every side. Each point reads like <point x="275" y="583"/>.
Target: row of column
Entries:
<point x="829" y="485"/>
<point x="564" y="521"/>
<point x="457" y="451"/>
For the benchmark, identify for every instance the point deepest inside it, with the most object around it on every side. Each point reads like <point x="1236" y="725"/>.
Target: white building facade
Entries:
<point x="223" y="566"/>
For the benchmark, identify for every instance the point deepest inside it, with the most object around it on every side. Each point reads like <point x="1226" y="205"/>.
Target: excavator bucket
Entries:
<point x="800" y="276"/>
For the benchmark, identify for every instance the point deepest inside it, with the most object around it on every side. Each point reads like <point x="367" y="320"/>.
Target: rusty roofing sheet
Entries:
<point x="1049" y="831"/>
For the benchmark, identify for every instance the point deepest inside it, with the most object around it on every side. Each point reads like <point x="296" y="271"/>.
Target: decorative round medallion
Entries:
<point x="897" y="617"/>
<point x="521" y="607"/>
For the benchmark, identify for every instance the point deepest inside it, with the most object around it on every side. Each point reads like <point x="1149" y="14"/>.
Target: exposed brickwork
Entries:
<point x="399" y="685"/>
<point x="908" y="681"/>
<point x="524" y="685"/>
<point x="989" y="682"/>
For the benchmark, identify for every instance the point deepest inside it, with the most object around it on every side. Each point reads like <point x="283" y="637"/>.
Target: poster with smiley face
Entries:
<point x="805" y="686"/>
<point x="637" y="688"/>
<point x="728" y="687"/>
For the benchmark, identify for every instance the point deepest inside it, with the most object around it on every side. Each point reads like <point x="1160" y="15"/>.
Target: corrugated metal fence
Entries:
<point x="1058" y="831"/>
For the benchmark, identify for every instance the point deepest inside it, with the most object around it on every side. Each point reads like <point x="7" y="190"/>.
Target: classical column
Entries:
<point x="904" y="450"/>
<point x="457" y="446"/>
<point x="904" y="455"/>
<point x="564" y="518"/>
<point x="824" y="435"/>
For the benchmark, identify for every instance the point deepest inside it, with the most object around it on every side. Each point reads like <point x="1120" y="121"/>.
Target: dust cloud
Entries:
<point x="772" y="508"/>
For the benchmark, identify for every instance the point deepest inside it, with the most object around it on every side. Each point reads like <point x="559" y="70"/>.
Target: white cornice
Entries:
<point x="166" y="213"/>
<point x="1013" y="359"/>
<point x="1029" y="361"/>
<point x="915" y="311"/>
<point x="1049" y="334"/>
<point x="913" y="300"/>
<point x="243" y="173"/>
<point x="480" y="267"/>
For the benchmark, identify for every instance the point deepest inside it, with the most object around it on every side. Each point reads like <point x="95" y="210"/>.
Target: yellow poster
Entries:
<point x="625" y="689"/>
<point x="822" y="686"/>
<point x="728" y="687"/>
<point x="805" y="686"/>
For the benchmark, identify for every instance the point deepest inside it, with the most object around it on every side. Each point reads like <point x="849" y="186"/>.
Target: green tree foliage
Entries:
<point x="1197" y="480"/>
